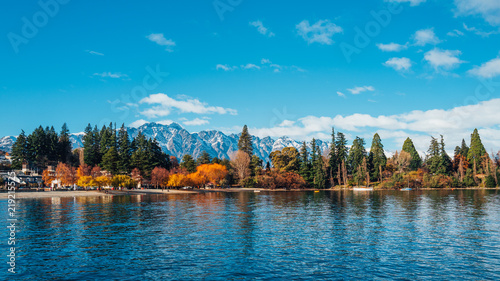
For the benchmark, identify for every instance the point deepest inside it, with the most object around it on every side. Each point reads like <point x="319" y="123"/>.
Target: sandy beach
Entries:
<point x="59" y="194"/>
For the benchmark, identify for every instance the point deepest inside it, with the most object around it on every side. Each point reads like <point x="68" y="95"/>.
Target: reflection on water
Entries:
<point x="440" y="234"/>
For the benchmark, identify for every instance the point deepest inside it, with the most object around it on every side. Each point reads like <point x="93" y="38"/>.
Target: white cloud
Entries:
<point x="358" y="90"/>
<point x="250" y="66"/>
<point x="488" y="9"/>
<point x="165" y="104"/>
<point x="264" y="61"/>
<point x="488" y="69"/>
<point x="479" y="31"/>
<point x="340" y="94"/>
<point x="225" y="67"/>
<point x="412" y="2"/>
<point x="320" y="32"/>
<point x="138" y="123"/>
<point x="454" y="124"/>
<point x="160" y="39"/>
<point x="262" y="29"/>
<point x="392" y="47"/>
<point x="399" y="64"/>
<point x="445" y="59"/>
<point x="455" y="33"/>
<point x="94" y="53"/>
<point x="196" y="122"/>
<point x="426" y="36"/>
<point x="286" y="123"/>
<point x="111" y="75"/>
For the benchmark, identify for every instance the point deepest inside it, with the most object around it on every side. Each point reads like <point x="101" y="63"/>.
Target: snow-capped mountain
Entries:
<point x="177" y="141"/>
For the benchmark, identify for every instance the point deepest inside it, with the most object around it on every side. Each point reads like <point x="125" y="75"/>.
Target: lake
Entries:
<point x="380" y="235"/>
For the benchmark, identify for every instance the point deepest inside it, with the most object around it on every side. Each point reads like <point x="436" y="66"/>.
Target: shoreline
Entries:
<point x="60" y="194"/>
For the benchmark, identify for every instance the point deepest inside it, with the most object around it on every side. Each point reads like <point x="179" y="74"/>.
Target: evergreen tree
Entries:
<point x="341" y="146"/>
<point x="356" y="154"/>
<point x="204" y="158"/>
<point x="52" y="145"/>
<point x="446" y="164"/>
<point x="245" y="142"/>
<point x="64" y="145"/>
<point x="20" y="151"/>
<point x="434" y="160"/>
<point x="110" y="160"/>
<point x="305" y="168"/>
<point x="106" y="139"/>
<point x="255" y="165"/>
<point x="38" y="147"/>
<point x="416" y="161"/>
<point x="96" y="148"/>
<point x="88" y="145"/>
<point x="188" y="163"/>
<point x="464" y="150"/>
<point x="124" y="150"/>
<point x="376" y="158"/>
<point x="476" y="150"/>
<point x="318" y="168"/>
<point x="139" y="160"/>
<point x="158" y="158"/>
<point x="332" y="162"/>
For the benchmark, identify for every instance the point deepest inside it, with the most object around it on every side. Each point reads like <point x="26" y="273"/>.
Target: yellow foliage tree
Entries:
<point x="85" y="181"/>
<point x="123" y="181"/>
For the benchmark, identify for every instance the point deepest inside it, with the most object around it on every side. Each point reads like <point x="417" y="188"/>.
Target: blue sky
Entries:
<point x="417" y="68"/>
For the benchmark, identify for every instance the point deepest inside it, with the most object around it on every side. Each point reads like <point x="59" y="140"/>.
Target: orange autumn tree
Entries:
<point x="83" y="170"/>
<point x="66" y="174"/>
<point x="48" y="176"/>
<point x="213" y="173"/>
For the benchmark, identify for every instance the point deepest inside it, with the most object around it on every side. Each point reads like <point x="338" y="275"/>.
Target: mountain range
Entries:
<point x="177" y="141"/>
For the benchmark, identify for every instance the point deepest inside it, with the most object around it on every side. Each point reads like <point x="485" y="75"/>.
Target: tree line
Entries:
<point x="111" y="153"/>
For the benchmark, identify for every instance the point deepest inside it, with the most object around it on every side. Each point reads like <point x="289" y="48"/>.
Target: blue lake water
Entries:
<point x="381" y="235"/>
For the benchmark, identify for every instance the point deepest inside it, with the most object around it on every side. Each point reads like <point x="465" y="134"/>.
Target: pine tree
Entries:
<point x="245" y="142"/>
<point x="341" y="146"/>
<point x="476" y="150"/>
<point x="188" y="163"/>
<point x="204" y="158"/>
<point x="38" y="147"/>
<point x="96" y="148"/>
<point x="139" y="160"/>
<point x="20" y="151"/>
<point x="464" y="150"/>
<point x="110" y="161"/>
<point x="88" y="144"/>
<point x="318" y="170"/>
<point x="124" y="151"/>
<point x="52" y="145"/>
<point x="434" y="160"/>
<point x="332" y="162"/>
<point x="376" y="159"/>
<point x="356" y="154"/>
<point x="416" y="161"/>
<point x="446" y="164"/>
<point x="305" y="168"/>
<point x="255" y="165"/>
<point x="158" y="158"/>
<point x="64" y="145"/>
